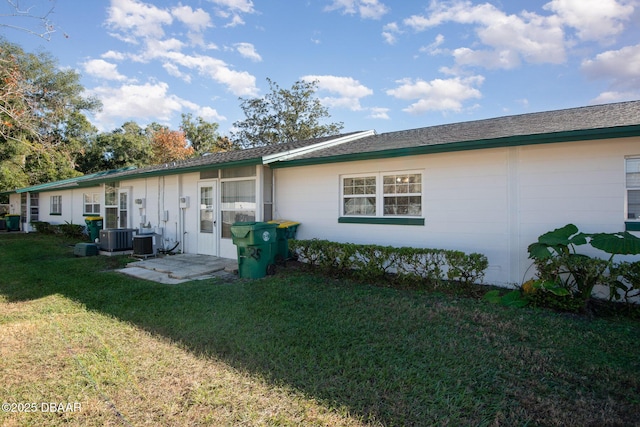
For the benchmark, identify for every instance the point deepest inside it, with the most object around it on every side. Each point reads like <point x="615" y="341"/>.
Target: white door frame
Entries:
<point x="124" y="222"/>
<point x="208" y="213"/>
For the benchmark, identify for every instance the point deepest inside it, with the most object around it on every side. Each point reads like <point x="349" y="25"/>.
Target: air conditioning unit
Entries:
<point x="184" y="202"/>
<point x="116" y="239"/>
<point x="144" y="245"/>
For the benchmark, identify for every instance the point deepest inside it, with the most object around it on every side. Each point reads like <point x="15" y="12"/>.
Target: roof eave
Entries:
<point x="509" y="141"/>
<point x="289" y="154"/>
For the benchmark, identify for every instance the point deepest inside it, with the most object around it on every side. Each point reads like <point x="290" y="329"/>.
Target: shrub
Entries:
<point x="375" y="262"/>
<point x="72" y="231"/>
<point x="44" y="227"/>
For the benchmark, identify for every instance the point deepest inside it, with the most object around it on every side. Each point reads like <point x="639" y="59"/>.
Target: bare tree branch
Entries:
<point x="20" y="18"/>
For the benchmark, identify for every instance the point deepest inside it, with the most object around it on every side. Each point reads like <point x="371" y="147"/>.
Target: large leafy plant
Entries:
<point x="564" y="272"/>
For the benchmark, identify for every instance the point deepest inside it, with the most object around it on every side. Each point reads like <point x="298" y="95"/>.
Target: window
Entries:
<point x="55" y="203"/>
<point x="359" y="195"/>
<point x="92" y="204"/>
<point x="238" y="203"/>
<point x="34" y="206"/>
<point x="633" y="188"/>
<point x="402" y="194"/>
<point x="382" y="195"/>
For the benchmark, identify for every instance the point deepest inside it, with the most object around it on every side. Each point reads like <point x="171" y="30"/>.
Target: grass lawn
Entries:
<point x="292" y="349"/>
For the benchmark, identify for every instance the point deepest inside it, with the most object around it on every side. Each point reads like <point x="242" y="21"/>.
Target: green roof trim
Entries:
<point x="378" y="220"/>
<point x="171" y="171"/>
<point x="509" y="141"/>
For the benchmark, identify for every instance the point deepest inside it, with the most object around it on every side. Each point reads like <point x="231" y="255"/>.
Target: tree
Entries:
<point x="203" y="136"/>
<point x="283" y="116"/>
<point x="169" y="145"/>
<point x="41" y="118"/>
<point x="129" y="145"/>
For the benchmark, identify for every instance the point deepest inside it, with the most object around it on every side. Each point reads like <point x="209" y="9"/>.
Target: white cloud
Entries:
<point x="159" y="48"/>
<point x="134" y="19"/>
<point x="614" y="96"/>
<point x="240" y="83"/>
<point x="112" y="54"/>
<point x="367" y="9"/>
<point x="146" y="103"/>
<point x="621" y="68"/>
<point x="197" y="20"/>
<point x="510" y="38"/>
<point x="438" y="94"/>
<point x="434" y="48"/>
<point x="244" y="6"/>
<point x="235" y="21"/>
<point x="379" y="113"/>
<point x="174" y="71"/>
<point x="390" y="32"/>
<point x="348" y="89"/>
<point x="210" y="114"/>
<point x="233" y="9"/>
<point x="149" y="102"/>
<point x="593" y="19"/>
<point x="248" y="51"/>
<point x="102" y="69"/>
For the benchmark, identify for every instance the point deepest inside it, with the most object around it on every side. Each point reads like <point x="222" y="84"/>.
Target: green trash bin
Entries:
<point x="285" y="230"/>
<point x="13" y="222"/>
<point x="255" y="243"/>
<point x="94" y="225"/>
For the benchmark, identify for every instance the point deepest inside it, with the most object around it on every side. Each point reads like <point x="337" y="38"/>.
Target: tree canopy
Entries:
<point x="45" y="135"/>
<point x="42" y="122"/>
<point x="125" y="146"/>
<point x="169" y="145"/>
<point x="283" y="115"/>
<point x="203" y="136"/>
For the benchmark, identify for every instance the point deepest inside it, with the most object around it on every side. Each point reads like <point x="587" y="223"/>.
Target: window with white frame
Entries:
<point x="55" y="203"/>
<point x="632" y="169"/>
<point x="238" y="203"/>
<point x="384" y="194"/>
<point x="91" y="204"/>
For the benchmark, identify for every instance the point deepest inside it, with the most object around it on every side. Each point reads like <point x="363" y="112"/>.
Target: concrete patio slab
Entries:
<point x="175" y="269"/>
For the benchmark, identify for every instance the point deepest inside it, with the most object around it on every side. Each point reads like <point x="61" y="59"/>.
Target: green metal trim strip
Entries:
<point x="632" y="226"/>
<point x="509" y="141"/>
<point x="166" y="172"/>
<point x="383" y="221"/>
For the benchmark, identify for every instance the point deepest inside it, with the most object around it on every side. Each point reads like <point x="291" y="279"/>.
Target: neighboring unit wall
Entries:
<point x="494" y="201"/>
<point x="71" y="206"/>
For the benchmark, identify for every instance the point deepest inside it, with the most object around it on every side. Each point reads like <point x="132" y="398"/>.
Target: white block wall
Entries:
<point x="494" y="201"/>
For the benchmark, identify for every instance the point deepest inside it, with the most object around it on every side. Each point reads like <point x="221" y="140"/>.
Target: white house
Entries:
<point x="490" y="186"/>
<point x="191" y="203"/>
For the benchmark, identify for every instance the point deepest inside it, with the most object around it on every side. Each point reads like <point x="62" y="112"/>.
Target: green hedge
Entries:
<point x="74" y="231"/>
<point x="400" y="264"/>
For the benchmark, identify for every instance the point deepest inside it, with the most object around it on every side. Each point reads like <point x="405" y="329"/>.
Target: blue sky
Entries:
<point x="381" y="64"/>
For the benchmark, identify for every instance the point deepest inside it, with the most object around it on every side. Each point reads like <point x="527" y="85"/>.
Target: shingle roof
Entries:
<point x="563" y="125"/>
<point x="216" y="160"/>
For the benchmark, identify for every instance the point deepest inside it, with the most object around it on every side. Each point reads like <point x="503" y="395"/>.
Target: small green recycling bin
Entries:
<point x="285" y="230"/>
<point x="255" y="243"/>
<point x="13" y="222"/>
<point x="94" y="225"/>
